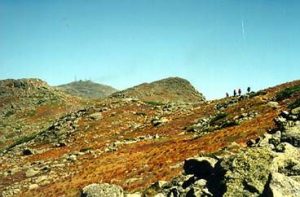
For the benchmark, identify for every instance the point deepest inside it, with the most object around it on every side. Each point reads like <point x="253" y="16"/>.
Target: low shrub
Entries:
<point x="155" y="103"/>
<point x="294" y="104"/>
<point x="218" y="117"/>
<point x="287" y="93"/>
<point x="229" y="124"/>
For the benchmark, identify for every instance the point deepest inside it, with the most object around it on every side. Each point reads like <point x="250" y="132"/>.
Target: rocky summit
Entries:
<point x="87" y="89"/>
<point x="173" y="89"/>
<point x="161" y="139"/>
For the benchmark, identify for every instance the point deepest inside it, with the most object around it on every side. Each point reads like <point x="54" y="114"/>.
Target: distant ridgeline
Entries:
<point x="87" y="89"/>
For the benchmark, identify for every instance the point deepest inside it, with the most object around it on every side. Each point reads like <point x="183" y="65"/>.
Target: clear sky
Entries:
<point x="218" y="45"/>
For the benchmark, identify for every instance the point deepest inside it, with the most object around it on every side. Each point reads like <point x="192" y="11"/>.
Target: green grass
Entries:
<point x="229" y="124"/>
<point x="287" y="93"/>
<point x="154" y="103"/>
<point x="9" y="113"/>
<point x="22" y="140"/>
<point x="218" y="117"/>
<point x="294" y="104"/>
<point x="258" y="93"/>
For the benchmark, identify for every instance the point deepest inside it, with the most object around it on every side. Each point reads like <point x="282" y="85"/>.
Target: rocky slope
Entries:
<point x="27" y="106"/>
<point x="173" y="89"/>
<point x="87" y="89"/>
<point x="245" y="146"/>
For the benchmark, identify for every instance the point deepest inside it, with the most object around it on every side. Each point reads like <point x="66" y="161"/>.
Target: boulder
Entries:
<point x="281" y="185"/>
<point x="247" y="172"/>
<point x="296" y="111"/>
<point x="102" y="190"/>
<point x="292" y="135"/>
<point x="31" y="172"/>
<point x="201" y="167"/>
<point x="96" y="116"/>
<point x="273" y="104"/>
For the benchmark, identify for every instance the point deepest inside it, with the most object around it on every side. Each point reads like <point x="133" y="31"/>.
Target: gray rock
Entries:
<point x="273" y="104"/>
<point x="281" y="120"/>
<point x="33" y="186"/>
<point x="292" y="135"/>
<point x="247" y="172"/>
<point x="198" y="192"/>
<point x="158" y="186"/>
<point x="102" y="190"/>
<point x="72" y="158"/>
<point x="31" y="172"/>
<point x="158" y="121"/>
<point x="96" y="116"/>
<point x="41" y="179"/>
<point x="296" y="111"/>
<point x="281" y="185"/>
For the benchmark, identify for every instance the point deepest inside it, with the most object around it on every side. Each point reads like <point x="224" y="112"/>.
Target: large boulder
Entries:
<point x="102" y="190"/>
<point x="281" y="185"/>
<point x="292" y="135"/>
<point x="247" y="172"/>
<point x="201" y="167"/>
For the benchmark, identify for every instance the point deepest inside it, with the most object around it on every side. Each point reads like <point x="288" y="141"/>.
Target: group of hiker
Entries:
<point x="238" y="92"/>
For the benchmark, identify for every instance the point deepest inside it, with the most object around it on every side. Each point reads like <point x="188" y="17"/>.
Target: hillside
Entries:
<point x="243" y="145"/>
<point x="87" y="89"/>
<point x="28" y="106"/>
<point x="173" y="89"/>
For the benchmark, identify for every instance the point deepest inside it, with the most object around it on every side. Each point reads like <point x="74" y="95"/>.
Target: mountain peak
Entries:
<point x="171" y="89"/>
<point x="87" y="89"/>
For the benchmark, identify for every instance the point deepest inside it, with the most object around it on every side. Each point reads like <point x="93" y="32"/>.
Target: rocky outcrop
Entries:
<point x="28" y="106"/>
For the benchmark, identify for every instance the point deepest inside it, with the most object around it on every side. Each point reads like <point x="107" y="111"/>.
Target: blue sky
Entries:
<point x="218" y="45"/>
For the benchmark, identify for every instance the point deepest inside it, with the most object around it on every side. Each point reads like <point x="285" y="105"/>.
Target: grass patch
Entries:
<point x="154" y="103"/>
<point x="9" y="113"/>
<point x="294" y="104"/>
<point x="229" y="124"/>
<point x="31" y="113"/>
<point x="218" y="117"/>
<point x="22" y="140"/>
<point x="287" y="93"/>
<point x="258" y="93"/>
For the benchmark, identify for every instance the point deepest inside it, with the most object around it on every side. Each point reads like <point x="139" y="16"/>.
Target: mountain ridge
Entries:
<point x="87" y="89"/>
<point x="171" y="89"/>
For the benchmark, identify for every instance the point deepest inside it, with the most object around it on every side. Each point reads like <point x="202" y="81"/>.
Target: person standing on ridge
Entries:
<point x="227" y="95"/>
<point x="234" y="92"/>
<point x="240" y="91"/>
<point x="248" y="89"/>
